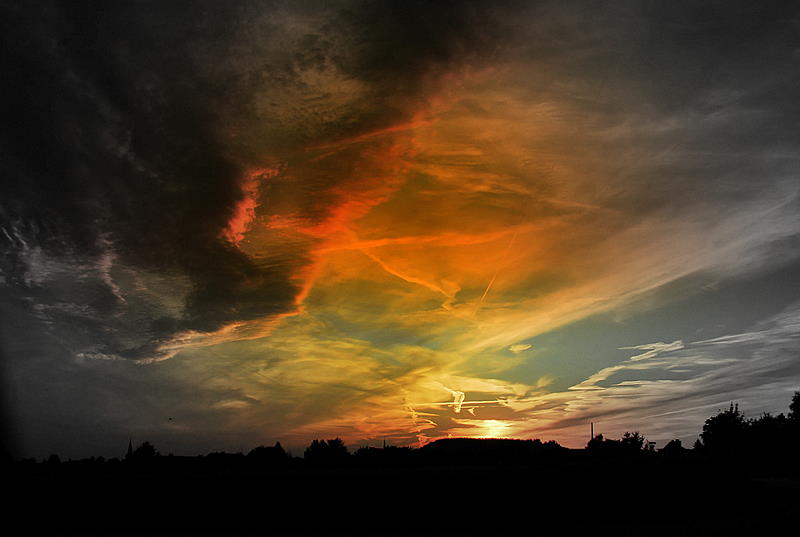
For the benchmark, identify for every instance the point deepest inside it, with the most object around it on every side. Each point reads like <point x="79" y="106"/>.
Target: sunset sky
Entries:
<point x="229" y="225"/>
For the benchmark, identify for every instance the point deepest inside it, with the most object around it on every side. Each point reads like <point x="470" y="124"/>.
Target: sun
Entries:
<point x="494" y="429"/>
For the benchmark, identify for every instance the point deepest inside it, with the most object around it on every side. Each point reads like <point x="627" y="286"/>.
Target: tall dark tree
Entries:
<point x="725" y="434"/>
<point x="794" y="407"/>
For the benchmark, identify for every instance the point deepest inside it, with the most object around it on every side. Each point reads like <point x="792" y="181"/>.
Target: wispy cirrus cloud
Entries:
<point x="668" y="391"/>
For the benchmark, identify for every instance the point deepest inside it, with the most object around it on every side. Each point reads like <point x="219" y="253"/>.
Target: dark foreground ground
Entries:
<point x="642" y="496"/>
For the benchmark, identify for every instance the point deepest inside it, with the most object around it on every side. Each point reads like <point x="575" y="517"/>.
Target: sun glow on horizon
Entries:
<point x="494" y="429"/>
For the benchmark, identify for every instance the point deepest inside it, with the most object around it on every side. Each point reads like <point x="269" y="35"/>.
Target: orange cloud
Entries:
<point x="245" y="211"/>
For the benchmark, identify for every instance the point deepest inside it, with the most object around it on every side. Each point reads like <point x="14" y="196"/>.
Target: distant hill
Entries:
<point x="492" y="450"/>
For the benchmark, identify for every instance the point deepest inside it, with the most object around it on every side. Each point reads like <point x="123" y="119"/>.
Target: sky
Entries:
<point x="225" y="224"/>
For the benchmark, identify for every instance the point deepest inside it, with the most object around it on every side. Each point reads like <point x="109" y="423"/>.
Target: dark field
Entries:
<point x="577" y="494"/>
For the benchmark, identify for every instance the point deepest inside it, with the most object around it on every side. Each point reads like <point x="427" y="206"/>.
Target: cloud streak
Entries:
<point x="671" y="389"/>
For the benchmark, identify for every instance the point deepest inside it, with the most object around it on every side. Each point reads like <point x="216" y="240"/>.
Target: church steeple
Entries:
<point x="129" y="454"/>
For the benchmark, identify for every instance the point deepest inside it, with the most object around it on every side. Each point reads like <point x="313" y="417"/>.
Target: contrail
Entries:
<point x="496" y="271"/>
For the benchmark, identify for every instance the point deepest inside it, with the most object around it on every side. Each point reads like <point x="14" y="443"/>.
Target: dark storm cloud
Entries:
<point x="128" y="128"/>
<point x="408" y="45"/>
<point x="113" y="149"/>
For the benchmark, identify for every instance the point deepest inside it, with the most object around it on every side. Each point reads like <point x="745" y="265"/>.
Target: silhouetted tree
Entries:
<point x="146" y="450"/>
<point x="603" y="447"/>
<point x="794" y="407"/>
<point x="725" y="434"/>
<point x="315" y="450"/>
<point x="596" y="440"/>
<point x="766" y="443"/>
<point x="767" y="426"/>
<point x="322" y="452"/>
<point x="767" y="438"/>
<point x="337" y="448"/>
<point x="633" y="443"/>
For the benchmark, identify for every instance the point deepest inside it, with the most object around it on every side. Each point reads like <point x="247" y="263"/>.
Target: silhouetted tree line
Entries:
<point x="768" y="442"/>
<point x="767" y="439"/>
<point x="630" y="444"/>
